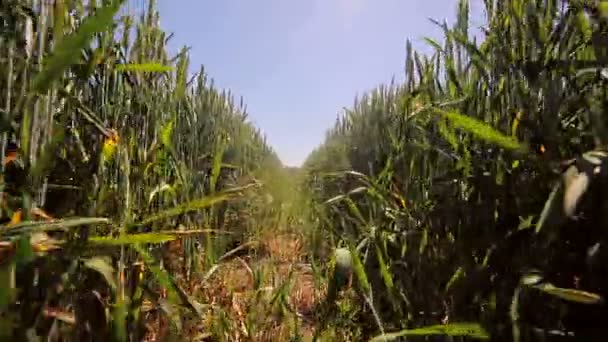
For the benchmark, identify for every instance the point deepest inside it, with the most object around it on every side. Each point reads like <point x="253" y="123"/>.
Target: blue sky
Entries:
<point x="297" y="63"/>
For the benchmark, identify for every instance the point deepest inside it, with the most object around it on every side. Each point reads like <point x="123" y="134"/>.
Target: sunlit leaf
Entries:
<point x="552" y="211"/>
<point x="164" y="187"/>
<point x="144" y="67"/>
<point x="57" y="224"/>
<point x="166" y="135"/>
<point x="458" y="274"/>
<point x="384" y="270"/>
<point x="525" y="223"/>
<point x="481" y="130"/>
<point x="531" y="279"/>
<point x="195" y="205"/>
<point x="130" y="239"/>
<point x="571" y="295"/>
<point x="359" y="271"/>
<point x="335" y="199"/>
<point x="423" y="241"/>
<point x="473" y="330"/>
<point x="104" y="267"/>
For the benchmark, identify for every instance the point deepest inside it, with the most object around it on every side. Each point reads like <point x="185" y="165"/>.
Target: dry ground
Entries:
<point x="233" y="292"/>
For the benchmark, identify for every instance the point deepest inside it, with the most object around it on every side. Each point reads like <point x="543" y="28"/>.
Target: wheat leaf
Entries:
<point x="481" y="130"/>
<point x="104" y="267"/>
<point x="144" y="67"/>
<point x="68" y="50"/>
<point x="473" y="330"/>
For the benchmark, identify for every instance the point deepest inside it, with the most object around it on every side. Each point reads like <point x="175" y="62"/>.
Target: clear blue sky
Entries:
<point x="297" y="63"/>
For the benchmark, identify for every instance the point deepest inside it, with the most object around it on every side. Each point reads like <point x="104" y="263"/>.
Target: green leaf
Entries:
<point x="25" y="252"/>
<point x="119" y="318"/>
<point x="175" y="294"/>
<point x="481" y="130"/>
<point x="473" y="330"/>
<point x="571" y="295"/>
<point x="164" y="187"/>
<point x="166" y="134"/>
<point x="455" y="277"/>
<point x="359" y="271"/>
<point x="104" y="267"/>
<point x="423" y="241"/>
<point x="68" y="50"/>
<point x="602" y="7"/>
<point x="335" y="199"/>
<point x="354" y="209"/>
<point x="531" y="279"/>
<point x="161" y="275"/>
<point x="7" y="284"/>
<point x="131" y="239"/>
<point x="198" y="204"/>
<point x="182" y="71"/>
<point x="552" y="213"/>
<point x="584" y="25"/>
<point x="514" y="314"/>
<point x="434" y="44"/>
<point x="384" y="271"/>
<point x="144" y="67"/>
<point x="525" y="223"/>
<point x="63" y="224"/>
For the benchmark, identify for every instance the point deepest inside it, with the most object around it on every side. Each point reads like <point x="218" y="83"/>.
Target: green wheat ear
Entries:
<point x="342" y="272"/>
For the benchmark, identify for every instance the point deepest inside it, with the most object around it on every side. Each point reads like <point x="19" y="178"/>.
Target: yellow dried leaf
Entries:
<point x="109" y="145"/>
<point x="16" y="218"/>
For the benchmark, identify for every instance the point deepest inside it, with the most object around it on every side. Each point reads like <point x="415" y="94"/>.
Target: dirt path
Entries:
<point x="261" y="296"/>
<point x="280" y="264"/>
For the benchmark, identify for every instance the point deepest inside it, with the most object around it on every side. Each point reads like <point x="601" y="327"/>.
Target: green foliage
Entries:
<point x="130" y="180"/>
<point x="438" y="179"/>
<point x="120" y="157"/>
<point x="68" y="50"/>
<point x="130" y="239"/>
<point x="481" y="130"/>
